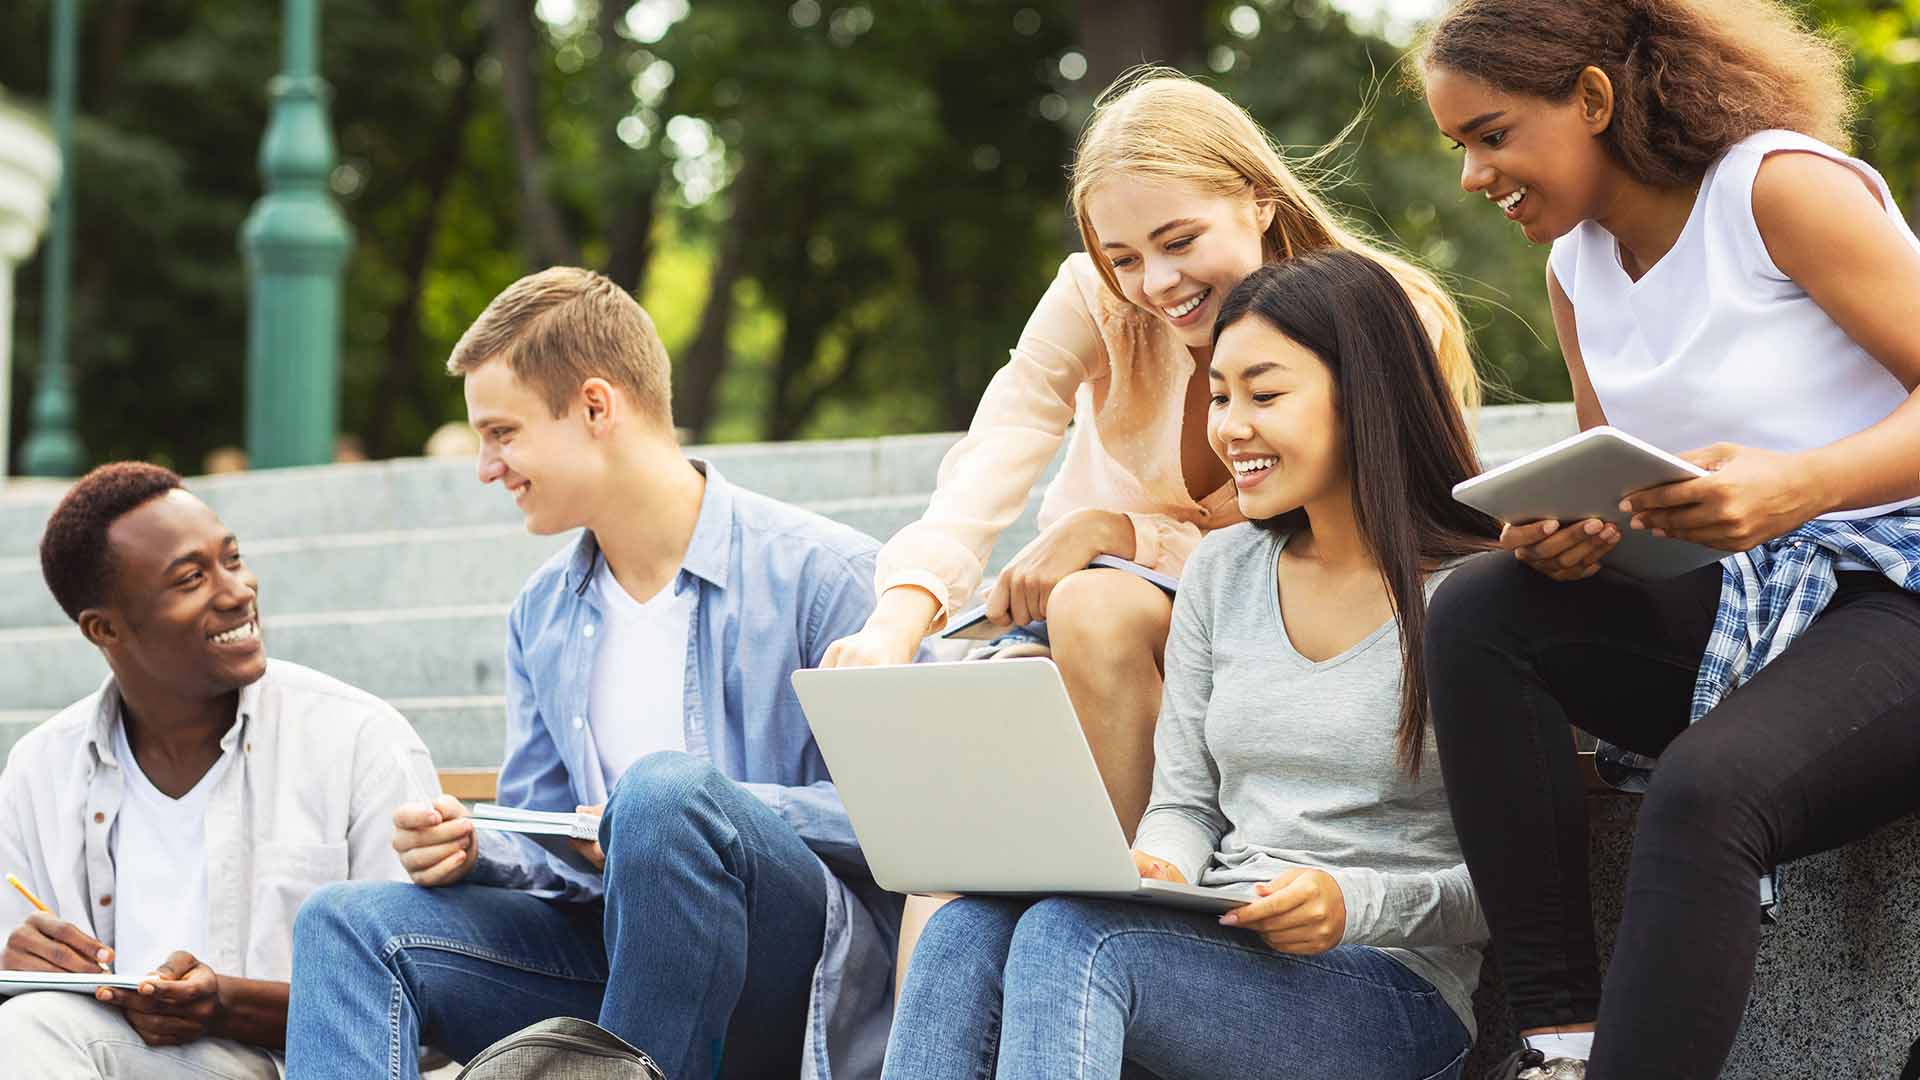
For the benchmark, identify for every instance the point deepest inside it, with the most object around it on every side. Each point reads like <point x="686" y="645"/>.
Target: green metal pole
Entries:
<point x="52" y="448"/>
<point x="296" y="243"/>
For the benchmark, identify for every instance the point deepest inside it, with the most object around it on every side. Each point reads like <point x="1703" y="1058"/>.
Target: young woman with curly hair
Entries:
<point x="1729" y="283"/>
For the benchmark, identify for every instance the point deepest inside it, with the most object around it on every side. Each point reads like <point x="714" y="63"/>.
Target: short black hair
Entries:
<point x="73" y="550"/>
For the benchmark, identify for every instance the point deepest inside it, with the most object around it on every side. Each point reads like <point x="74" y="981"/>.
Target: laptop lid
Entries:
<point x="968" y="777"/>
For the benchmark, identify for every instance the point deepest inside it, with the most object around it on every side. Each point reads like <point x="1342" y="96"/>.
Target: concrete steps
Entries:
<point x="426" y="652"/>
<point x="342" y="572"/>
<point x="396" y="576"/>
<point x="409" y="494"/>
<point x="413" y="568"/>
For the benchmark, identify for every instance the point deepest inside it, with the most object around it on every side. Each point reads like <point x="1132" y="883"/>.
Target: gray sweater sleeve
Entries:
<point x="1410" y="910"/>
<point x="1183" y="823"/>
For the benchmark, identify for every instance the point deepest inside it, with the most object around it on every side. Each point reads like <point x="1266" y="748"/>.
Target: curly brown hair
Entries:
<point x="74" y="555"/>
<point x="1690" y="77"/>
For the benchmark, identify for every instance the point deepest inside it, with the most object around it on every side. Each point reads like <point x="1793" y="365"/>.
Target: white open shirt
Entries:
<point x="306" y="798"/>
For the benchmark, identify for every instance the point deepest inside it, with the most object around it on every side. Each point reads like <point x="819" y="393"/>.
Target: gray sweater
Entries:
<point x="1267" y="761"/>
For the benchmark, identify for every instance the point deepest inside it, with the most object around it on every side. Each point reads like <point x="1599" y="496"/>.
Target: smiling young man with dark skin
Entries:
<point x="173" y="821"/>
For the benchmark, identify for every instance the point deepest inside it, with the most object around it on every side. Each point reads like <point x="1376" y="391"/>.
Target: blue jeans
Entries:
<point x="1068" y="988"/>
<point x="714" y="909"/>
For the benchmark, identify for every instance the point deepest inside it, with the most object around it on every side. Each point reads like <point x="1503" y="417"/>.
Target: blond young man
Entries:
<point x="729" y="919"/>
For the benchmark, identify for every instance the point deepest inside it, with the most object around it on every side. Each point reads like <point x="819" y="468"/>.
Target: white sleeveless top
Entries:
<point x="1714" y="343"/>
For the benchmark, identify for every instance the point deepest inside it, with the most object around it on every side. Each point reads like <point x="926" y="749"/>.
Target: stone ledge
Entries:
<point x="1836" y="990"/>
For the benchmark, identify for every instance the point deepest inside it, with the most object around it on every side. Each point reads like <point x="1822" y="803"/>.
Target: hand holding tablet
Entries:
<point x="1579" y="483"/>
<point x="1749" y="496"/>
<point x="1564" y="552"/>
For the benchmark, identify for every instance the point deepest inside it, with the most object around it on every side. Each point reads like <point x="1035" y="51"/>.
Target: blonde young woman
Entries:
<point x="1179" y="195"/>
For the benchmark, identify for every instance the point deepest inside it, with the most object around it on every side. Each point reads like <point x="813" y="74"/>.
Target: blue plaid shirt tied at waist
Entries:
<point x="1771" y="594"/>
<point x="1768" y="597"/>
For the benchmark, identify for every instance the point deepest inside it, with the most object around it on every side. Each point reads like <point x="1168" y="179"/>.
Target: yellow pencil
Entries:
<point x="28" y="893"/>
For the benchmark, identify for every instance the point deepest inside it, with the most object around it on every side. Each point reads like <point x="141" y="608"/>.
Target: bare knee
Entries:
<point x="1110" y="612"/>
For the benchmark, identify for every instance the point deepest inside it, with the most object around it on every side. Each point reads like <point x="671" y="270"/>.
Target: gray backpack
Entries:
<point x="563" y="1048"/>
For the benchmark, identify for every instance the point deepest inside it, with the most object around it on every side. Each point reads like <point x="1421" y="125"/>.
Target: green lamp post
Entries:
<point x="52" y="449"/>
<point x="295" y="242"/>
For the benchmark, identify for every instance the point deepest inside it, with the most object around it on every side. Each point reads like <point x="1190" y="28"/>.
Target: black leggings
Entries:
<point x="1820" y="748"/>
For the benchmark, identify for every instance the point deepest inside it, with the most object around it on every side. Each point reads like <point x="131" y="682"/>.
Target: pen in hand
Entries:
<point x="22" y="889"/>
<point x="59" y="935"/>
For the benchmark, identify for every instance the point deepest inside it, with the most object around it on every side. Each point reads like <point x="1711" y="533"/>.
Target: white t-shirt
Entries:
<point x="1714" y="343"/>
<point x="159" y="849"/>
<point x="636" y="700"/>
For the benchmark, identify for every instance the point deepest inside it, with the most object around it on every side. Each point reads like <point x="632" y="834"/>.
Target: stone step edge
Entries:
<point x="25" y="491"/>
<point x="35" y="635"/>
<point x="481" y="531"/>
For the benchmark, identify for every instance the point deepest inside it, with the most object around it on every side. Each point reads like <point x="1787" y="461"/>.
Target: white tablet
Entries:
<point x="1586" y="476"/>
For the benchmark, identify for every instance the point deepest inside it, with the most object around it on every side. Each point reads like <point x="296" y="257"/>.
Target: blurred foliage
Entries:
<point x="840" y="212"/>
<point x="1306" y="75"/>
<point x="1885" y="36"/>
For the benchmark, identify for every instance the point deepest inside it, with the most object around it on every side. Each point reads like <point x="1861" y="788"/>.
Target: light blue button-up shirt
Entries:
<point x="773" y="586"/>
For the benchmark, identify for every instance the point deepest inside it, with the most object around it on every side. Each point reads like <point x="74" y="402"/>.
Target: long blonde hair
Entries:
<point x="1155" y="123"/>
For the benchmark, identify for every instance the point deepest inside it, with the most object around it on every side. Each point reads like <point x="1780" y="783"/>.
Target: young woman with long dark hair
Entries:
<point x="1291" y="751"/>
<point x="1727" y="284"/>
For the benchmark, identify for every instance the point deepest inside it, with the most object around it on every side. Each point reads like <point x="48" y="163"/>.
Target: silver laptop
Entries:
<point x="974" y="777"/>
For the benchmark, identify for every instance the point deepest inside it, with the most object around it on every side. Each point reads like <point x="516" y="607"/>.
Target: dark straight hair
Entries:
<point x="1406" y="442"/>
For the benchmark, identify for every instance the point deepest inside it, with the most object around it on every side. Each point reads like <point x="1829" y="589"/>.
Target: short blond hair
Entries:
<point x="562" y="326"/>
<point x="1157" y="124"/>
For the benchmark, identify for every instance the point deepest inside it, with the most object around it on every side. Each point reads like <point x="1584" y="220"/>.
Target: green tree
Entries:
<point x="1885" y="37"/>
<point x="840" y="212"/>
<point x="1305" y="73"/>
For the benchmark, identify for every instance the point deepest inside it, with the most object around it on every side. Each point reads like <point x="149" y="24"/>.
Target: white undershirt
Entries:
<point x="636" y="702"/>
<point x="159" y="850"/>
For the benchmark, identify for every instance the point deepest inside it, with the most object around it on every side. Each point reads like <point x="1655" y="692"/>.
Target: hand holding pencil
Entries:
<point x="45" y="943"/>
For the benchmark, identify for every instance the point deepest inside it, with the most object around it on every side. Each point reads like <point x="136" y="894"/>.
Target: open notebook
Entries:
<point x="85" y="982"/>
